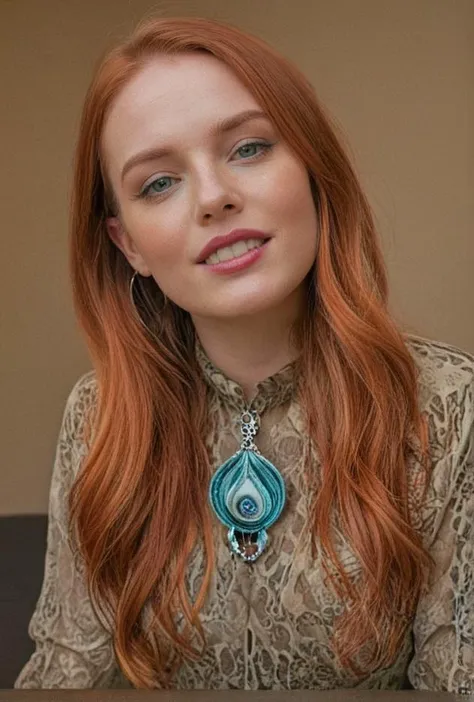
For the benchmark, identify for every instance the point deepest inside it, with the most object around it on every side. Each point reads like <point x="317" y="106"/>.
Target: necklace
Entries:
<point x="247" y="492"/>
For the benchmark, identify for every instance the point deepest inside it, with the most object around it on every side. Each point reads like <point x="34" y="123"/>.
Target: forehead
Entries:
<point x="171" y="97"/>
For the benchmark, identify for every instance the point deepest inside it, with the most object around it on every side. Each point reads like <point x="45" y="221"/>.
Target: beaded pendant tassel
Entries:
<point x="247" y="492"/>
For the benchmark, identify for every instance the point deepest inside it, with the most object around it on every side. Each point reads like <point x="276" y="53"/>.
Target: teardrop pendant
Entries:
<point x="247" y="492"/>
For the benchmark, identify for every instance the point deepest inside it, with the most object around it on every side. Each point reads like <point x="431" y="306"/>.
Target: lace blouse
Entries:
<point x="268" y="624"/>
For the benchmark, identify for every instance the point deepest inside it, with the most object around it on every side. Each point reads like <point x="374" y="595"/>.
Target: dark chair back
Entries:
<point x="22" y="554"/>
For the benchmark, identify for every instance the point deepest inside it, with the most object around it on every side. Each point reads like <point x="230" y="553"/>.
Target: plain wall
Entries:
<point x="398" y="75"/>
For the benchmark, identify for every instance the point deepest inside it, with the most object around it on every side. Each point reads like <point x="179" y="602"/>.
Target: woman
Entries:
<point x="264" y="482"/>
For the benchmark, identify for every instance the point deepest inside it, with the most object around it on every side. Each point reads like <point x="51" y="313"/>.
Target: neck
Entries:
<point x="251" y="348"/>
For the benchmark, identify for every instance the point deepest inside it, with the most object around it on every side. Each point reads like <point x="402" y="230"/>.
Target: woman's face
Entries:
<point x="207" y="184"/>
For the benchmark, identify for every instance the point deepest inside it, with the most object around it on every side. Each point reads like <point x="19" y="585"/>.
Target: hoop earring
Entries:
<point x="137" y="314"/>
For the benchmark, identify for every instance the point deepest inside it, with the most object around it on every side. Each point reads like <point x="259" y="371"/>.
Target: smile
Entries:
<point x="236" y="258"/>
<point x="227" y="253"/>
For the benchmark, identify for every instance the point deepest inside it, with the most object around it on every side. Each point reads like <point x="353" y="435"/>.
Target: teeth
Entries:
<point x="225" y="254"/>
<point x="213" y="258"/>
<point x="237" y="249"/>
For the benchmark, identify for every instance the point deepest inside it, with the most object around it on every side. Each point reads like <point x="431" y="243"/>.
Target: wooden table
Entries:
<point x="229" y="696"/>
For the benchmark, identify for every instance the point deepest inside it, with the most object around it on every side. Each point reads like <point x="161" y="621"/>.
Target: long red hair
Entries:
<point x="146" y="434"/>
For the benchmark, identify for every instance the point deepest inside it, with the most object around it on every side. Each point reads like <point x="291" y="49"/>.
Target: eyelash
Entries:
<point x="145" y="194"/>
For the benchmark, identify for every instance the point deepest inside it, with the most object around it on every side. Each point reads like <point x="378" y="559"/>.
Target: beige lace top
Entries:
<point x="268" y="623"/>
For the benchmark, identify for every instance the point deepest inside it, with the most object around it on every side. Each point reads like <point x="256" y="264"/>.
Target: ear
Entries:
<point x="124" y="242"/>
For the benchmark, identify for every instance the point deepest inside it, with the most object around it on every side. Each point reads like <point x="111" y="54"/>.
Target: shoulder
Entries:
<point x="446" y="397"/>
<point x="84" y="390"/>
<point x="441" y="365"/>
<point x="445" y="377"/>
<point x="446" y="392"/>
<point x="82" y="400"/>
<point x="72" y="446"/>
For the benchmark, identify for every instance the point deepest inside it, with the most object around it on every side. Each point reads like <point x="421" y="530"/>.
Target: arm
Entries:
<point x="73" y="650"/>
<point x="444" y="623"/>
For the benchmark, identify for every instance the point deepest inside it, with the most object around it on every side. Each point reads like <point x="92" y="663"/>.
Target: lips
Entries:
<point x="219" y="242"/>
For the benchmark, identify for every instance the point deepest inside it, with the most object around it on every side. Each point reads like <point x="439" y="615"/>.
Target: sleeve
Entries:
<point x="443" y="631"/>
<point x="72" y="648"/>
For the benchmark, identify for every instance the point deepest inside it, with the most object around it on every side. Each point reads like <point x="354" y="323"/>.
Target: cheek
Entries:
<point x="160" y="243"/>
<point x="296" y="217"/>
<point x="295" y="214"/>
<point x="292" y="196"/>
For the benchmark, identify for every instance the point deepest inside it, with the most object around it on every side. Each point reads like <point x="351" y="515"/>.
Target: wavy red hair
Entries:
<point x="146" y="434"/>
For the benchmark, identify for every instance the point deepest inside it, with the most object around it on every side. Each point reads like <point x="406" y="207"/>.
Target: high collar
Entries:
<point x="271" y="392"/>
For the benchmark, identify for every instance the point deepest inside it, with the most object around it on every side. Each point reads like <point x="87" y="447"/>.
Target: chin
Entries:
<point x="249" y="305"/>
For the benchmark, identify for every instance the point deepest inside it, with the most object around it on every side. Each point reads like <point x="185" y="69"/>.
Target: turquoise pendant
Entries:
<point x="247" y="492"/>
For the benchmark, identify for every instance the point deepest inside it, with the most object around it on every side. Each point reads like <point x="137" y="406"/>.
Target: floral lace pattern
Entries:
<point x="268" y="624"/>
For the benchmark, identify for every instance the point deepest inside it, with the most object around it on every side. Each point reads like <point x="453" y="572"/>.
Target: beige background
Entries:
<point x="397" y="74"/>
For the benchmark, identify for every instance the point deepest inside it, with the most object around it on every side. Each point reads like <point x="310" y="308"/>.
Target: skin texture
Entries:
<point x="210" y="185"/>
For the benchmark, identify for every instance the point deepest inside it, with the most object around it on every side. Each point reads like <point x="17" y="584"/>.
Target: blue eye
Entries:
<point x="155" y="185"/>
<point x="152" y="190"/>
<point x="263" y="145"/>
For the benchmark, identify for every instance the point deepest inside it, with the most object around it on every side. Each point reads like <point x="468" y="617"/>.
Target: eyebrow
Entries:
<point x="221" y="127"/>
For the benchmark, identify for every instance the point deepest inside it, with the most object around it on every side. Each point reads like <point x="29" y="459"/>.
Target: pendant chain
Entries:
<point x="249" y="426"/>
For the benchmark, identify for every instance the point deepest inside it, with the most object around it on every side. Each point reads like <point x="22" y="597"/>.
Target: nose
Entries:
<point x="217" y="211"/>
<point x="215" y="195"/>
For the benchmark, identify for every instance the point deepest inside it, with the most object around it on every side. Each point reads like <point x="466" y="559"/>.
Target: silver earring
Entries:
<point x="132" y="280"/>
<point x="133" y="301"/>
